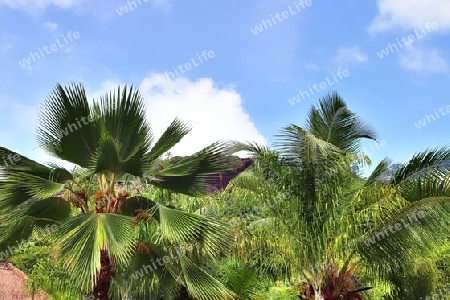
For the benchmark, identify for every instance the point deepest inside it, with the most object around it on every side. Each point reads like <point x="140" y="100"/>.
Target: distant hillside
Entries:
<point x="224" y="178"/>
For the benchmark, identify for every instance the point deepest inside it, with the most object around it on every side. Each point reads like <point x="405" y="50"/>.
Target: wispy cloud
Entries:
<point x="419" y="59"/>
<point x="37" y="6"/>
<point x="347" y="56"/>
<point x="410" y="14"/>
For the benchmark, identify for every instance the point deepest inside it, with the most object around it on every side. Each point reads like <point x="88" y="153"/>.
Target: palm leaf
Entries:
<point x="67" y="109"/>
<point x="192" y="175"/>
<point x="35" y="186"/>
<point x="301" y="146"/>
<point x="379" y="172"/>
<point x="19" y="223"/>
<point x="429" y="162"/>
<point x="28" y="179"/>
<point x="179" y="227"/>
<point x="334" y="123"/>
<point x="154" y="272"/>
<point x="417" y="228"/>
<point x="82" y="238"/>
<point x="173" y="134"/>
<point x="201" y="285"/>
<point x="419" y="188"/>
<point x="128" y="133"/>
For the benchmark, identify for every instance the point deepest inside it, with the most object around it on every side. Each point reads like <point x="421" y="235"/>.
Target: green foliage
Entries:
<point x="299" y="221"/>
<point x="37" y="261"/>
<point x="112" y="144"/>
<point x="278" y="292"/>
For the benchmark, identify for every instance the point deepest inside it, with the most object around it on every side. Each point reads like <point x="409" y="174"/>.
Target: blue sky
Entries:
<point x="241" y="92"/>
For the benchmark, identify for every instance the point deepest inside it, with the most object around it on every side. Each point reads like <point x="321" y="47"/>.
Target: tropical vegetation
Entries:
<point x="302" y="222"/>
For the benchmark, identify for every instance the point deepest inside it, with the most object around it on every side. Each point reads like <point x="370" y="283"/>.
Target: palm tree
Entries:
<point x="311" y="166"/>
<point x="324" y="216"/>
<point x="107" y="232"/>
<point x="414" y="201"/>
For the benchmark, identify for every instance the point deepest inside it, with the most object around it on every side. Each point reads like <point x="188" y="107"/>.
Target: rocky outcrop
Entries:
<point x="13" y="284"/>
<point x="222" y="179"/>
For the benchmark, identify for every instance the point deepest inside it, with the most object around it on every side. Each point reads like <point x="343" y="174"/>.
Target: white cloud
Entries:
<point x="34" y="6"/>
<point x="350" y="55"/>
<point x="410" y="14"/>
<point x="41" y="156"/>
<point x="214" y="113"/>
<point x="51" y="27"/>
<point x="418" y="59"/>
<point x="106" y="87"/>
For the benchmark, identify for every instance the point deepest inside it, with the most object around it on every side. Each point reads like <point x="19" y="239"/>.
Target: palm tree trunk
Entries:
<point x="101" y="289"/>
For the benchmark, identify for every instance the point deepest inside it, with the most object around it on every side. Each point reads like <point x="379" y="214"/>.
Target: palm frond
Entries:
<point x="419" y="188"/>
<point x="19" y="223"/>
<point x="379" y="171"/>
<point x="123" y="120"/>
<point x="255" y="150"/>
<point x="412" y="232"/>
<point x="242" y="280"/>
<point x="193" y="174"/>
<point x="150" y="273"/>
<point x="201" y="285"/>
<point x="35" y="186"/>
<point x="106" y="157"/>
<point x="334" y="123"/>
<point x="179" y="227"/>
<point x="67" y="127"/>
<point x="82" y="238"/>
<point x="29" y="179"/>
<point x="173" y="134"/>
<point x="299" y="145"/>
<point x="429" y="162"/>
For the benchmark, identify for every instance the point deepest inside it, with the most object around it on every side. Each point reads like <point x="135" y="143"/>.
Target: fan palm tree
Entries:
<point x="105" y="231"/>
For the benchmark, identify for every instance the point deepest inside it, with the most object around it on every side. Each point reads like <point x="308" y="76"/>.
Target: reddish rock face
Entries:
<point x="13" y="284"/>
<point x="224" y="178"/>
<point x="220" y="180"/>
